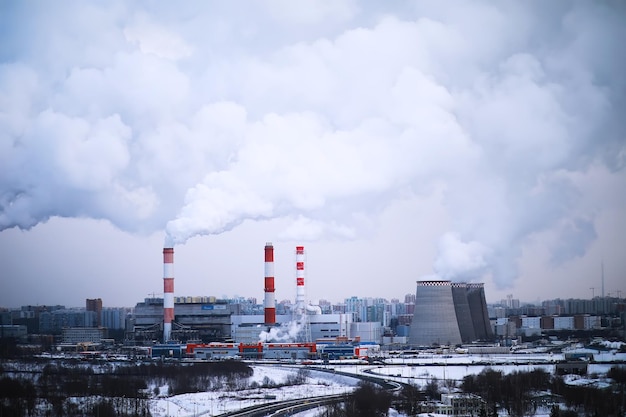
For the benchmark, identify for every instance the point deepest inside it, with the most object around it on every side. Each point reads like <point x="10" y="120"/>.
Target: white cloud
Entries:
<point x="202" y="117"/>
<point x="155" y="39"/>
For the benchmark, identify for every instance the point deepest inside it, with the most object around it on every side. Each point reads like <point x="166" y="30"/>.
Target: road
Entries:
<point x="289" y="407"/>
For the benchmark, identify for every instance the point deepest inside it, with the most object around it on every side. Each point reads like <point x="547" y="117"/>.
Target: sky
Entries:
<point x="465" y="140"/>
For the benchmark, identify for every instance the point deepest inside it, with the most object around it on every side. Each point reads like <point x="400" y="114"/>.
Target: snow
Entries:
<point x="423" y="374"/>
<point x="326" y="383"/>
<point x="587" y="382"/>
<point x="418" y="369"/>
<point x="212" y="403"/>
<point x="612" y="345"/>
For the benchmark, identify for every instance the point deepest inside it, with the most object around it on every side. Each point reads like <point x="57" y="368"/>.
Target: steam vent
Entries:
<point x="448" y="313"/>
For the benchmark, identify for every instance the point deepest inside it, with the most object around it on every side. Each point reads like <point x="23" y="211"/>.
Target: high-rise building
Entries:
<point x="95" y="304"/>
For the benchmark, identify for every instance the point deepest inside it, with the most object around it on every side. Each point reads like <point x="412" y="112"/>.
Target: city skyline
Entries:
<point x="509" y="302"/>
<point x="464" y="141"/>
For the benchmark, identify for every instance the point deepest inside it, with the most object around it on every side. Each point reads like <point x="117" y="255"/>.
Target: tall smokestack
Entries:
<point x="300" y="303"/>
<point x="270" y="301"/>
<point x="168" y="292"/>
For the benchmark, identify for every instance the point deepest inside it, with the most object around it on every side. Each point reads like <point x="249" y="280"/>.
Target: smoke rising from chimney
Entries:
<point x="305" y="126"/>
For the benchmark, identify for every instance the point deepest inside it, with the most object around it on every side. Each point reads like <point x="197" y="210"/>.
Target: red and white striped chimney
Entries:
<point x="270" y="301"/>
<point x="168" y="292"/>
<point x="300" y="302"/>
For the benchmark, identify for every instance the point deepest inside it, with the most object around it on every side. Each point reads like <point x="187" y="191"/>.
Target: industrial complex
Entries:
<point x="441" y="313"/>
<point x="445" y="313"/>
<point x="213" y="328"/>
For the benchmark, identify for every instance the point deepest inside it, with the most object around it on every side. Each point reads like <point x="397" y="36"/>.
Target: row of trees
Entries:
<point x="521" y="393"/>
<point x="368" y="400"/>
<point x="77" y="390"/>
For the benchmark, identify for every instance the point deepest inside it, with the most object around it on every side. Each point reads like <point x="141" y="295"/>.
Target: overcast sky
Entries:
<point x="469" y="141"/>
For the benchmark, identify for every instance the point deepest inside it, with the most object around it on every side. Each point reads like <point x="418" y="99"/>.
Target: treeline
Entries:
<point x="516" y="392"/>
<point x="368" y="400"/>
<point x="610" y="401"/>
<point x="521" y="393"/>
<point x="62" y="390"/>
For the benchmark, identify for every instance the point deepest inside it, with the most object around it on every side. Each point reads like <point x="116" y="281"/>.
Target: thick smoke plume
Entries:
<point x="287" y="332"/>
<point x="156" y="116"/>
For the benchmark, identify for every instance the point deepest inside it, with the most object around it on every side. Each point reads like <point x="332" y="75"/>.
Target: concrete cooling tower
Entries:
<point x="434" y="319"/>
<point x="449" y="313"/>
<point x="463" y="311"/>
<point x="478" y="310"/>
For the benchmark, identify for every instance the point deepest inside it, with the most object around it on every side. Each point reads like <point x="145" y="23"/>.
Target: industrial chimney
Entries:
<point x="168" y="292"/>
<point x="300" y="301"/>
<point x="270" y="301"/>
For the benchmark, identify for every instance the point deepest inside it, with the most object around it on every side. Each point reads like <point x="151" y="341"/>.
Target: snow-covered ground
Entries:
<point x="417" y="370"/>
<point x="217" y="402"/>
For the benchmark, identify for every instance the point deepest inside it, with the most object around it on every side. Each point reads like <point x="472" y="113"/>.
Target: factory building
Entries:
<point x="221" y="322"/>
<point x="75" y="335"/>
<point x="251" y="329"/>
<point x="194" y="320"/>
<point x="213" y="351"/>
<point x="449" y="313"/>
<point x="367" y="332"/>
<point x="335" y="349"/>
<point x="290" y="351"/>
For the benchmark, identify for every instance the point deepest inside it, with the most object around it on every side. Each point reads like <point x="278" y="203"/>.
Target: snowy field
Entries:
<point x="415" y="368"/>
<point x="418" y="370"/>
<point x="218" y="402"/>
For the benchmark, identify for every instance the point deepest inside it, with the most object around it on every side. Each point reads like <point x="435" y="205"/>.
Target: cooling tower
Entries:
<point x="434" y="319"/>
<point x="478" y="311"/>
<point x="449" y="313"/>
<point x="463" y="312"/>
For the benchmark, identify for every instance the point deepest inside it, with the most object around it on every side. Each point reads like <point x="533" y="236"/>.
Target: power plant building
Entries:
<point x="448" y="313"/>
<point x="196" y="318"/>
<point x="224" y="322"/>
<point x="204" y="319"/>
<point x="251" y="329"/>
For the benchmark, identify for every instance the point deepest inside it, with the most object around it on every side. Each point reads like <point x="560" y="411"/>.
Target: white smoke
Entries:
<point x="458" y="260"/>
<point x="286" y="332"/>
<point x="155" y="116"/>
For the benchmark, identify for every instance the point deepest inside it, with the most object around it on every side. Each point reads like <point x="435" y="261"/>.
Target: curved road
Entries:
<point x="288" y="407"/>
